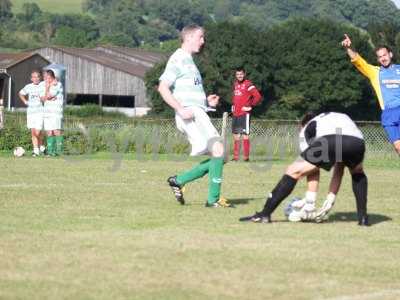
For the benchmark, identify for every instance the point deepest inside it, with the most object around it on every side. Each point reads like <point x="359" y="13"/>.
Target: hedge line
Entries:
<point x="90" y="140"/>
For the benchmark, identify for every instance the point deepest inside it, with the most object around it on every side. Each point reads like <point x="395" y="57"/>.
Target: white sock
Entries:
<point x="36" y="150"/>
<point x="311" y="197"/>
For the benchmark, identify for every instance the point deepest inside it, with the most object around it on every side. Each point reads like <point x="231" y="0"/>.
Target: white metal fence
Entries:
<point x="269" y="137"/>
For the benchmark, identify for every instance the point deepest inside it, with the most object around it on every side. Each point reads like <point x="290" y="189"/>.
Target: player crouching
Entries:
<point x="327" y="140"/>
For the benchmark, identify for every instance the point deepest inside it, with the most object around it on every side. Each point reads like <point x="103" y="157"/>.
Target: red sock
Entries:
<point x="246" y="148"/>
<point x="236" y="150"/>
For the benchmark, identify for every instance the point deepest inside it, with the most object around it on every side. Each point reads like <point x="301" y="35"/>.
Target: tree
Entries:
<point x="5" y="10"/>
<point x="96" y="6"/>
<point x="180" y="13"/>
<point x="385" y="34"/>
<point x="116" y="39"/>
<point x="312" y="72"/>
<point x="158" y="107"/>
<point x="71" y="37"/>
<point x="30" y="11"/>
<point x="30" y="17"/>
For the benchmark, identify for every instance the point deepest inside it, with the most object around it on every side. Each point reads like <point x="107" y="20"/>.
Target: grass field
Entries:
<point x="54" y="6"/>
<point x="89" y="228"/>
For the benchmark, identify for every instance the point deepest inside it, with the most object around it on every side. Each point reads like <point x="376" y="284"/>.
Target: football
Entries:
<point x="291" y="206"/>
<point x="19" y="151"/>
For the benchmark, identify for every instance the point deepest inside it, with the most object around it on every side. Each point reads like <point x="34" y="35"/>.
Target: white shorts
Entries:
<point x="34" y="120"/>
<point x="199" y="131"/>
<point x="53" y="116"/>
<point x="53" y="122"/>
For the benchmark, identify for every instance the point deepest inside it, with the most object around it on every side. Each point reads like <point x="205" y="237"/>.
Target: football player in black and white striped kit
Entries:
<point x="326" y="140"/>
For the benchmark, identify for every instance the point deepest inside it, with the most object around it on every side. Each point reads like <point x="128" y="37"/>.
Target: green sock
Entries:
<point x="215" y="179"/>
<point x="51" y="145"/>
<point x="59" y="144"/>
<point x="198" y="171"/>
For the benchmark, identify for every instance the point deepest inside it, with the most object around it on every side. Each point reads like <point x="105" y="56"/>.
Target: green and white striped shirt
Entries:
<point x="56" y="105"/>
<point x="182" y="75"/>
<point x="33" y="92"/>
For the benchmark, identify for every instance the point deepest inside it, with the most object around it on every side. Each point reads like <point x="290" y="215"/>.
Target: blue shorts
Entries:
<point x="390" y="119"/>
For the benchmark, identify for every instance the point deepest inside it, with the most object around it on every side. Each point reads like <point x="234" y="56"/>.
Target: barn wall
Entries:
<point x="21" y="74"/>
<point x="87" y="77"/>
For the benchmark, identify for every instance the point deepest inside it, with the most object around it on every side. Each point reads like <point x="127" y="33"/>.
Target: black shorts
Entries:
<point x="241" y="124"/>
<point x="325" y="151"/>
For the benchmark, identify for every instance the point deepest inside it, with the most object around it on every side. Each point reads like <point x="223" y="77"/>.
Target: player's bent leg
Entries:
<point x="300" y="168"/>
<point x="177" y="182"/>
<point x="216" y="147"/>
<point x="392" y="131"/>
<point x="177" y="189"/>
<point x="396" y="145"/>
<point x="304" y="209"/>
<point x="307" y="209"/>
<point x="360" y="190"/>
<point x="283" y="189"/>
<point x="215" y="175"/>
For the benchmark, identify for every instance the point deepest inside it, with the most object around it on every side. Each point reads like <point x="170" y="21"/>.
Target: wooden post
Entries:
<point x="100" y="100"/>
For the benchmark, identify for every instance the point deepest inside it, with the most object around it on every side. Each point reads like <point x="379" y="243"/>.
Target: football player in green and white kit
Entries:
<point x="51" y="93"/>
<point x="181" y="88"/>
<point x="34" y="114"/>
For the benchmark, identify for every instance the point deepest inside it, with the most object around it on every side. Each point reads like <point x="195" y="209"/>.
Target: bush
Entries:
<point x="13" y="136"/>
<point x="92" y="110"/>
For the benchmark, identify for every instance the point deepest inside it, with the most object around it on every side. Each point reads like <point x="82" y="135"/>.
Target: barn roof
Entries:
<point x="140" y="54"/>
<point x="8" y="60"/>
<point x="108" y="59"/>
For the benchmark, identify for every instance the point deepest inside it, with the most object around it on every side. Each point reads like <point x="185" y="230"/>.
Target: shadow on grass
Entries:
<point x="352" y="217"/>
<point x="241" y="201"/>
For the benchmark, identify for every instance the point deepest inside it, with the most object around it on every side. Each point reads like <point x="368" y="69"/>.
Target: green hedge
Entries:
<point x="126" y="139"/>
<point x="92" y="110"/>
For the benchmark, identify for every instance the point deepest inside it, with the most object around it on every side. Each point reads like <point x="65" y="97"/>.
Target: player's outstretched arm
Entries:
<point x="334" y="187"/>
<point x="165" y="92"/>
<point x="346" y="43"/>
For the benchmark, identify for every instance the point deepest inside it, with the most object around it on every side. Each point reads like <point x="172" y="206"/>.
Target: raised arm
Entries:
<point x="346" y="43"/>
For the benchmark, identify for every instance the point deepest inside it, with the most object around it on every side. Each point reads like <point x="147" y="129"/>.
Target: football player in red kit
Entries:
<point x="245" y="96"/>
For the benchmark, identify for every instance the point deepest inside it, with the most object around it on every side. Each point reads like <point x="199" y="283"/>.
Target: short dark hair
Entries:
<point x="36" y="71"/>
<point x="379" y="47"/>
<point x="307" y="117"/>
<point x="240" y="69"/>
<point x="51" y="73"/>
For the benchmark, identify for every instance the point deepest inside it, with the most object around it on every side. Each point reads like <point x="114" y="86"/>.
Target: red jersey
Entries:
<point x="244" y="94"/>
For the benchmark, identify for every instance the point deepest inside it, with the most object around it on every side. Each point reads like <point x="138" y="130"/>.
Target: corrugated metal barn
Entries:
<point x="15" y="73"/>
<point x="109" y="76"/>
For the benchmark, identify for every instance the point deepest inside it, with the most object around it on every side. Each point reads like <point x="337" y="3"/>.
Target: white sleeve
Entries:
<point x="25" y="90"/>
<point x="171" y="72"/>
